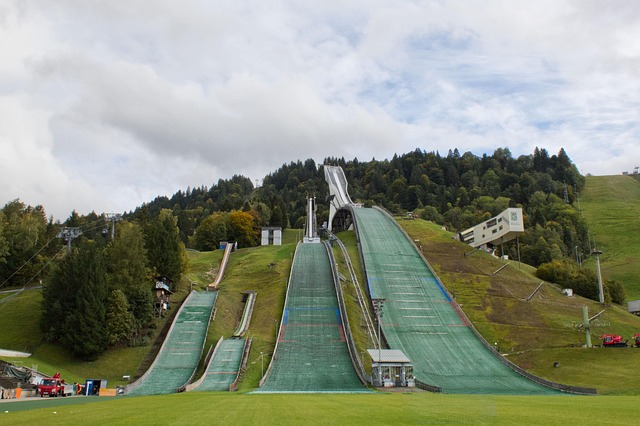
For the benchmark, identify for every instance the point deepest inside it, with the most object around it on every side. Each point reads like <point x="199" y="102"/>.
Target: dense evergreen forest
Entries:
<point x="117" y="274"/>
<point x="455" y="190"/>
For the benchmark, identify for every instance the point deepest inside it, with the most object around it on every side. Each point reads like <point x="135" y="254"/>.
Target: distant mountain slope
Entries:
<point x="611" y="207"/>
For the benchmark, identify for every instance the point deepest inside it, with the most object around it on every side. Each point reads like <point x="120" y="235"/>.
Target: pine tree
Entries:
<point x="120" y="322"/>
<point x="59" y="297"/>
<point x="164" y="248"/>
<point x="84" y="325"/>
<point x="127" y="268"/>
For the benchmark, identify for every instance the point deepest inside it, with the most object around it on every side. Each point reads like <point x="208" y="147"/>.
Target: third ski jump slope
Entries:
<point x="311" y="354"/>
<point x="420" y="319"/>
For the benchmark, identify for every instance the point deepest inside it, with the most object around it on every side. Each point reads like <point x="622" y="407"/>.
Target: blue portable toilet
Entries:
<point x="88" y="388"/>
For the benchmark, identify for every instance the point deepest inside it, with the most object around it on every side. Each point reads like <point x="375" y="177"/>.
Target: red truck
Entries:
<point x="54" y="387"/>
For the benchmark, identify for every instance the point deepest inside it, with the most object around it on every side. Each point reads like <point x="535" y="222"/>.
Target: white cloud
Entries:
<point x="113" y="103"/>
<point x="28" y="170"/>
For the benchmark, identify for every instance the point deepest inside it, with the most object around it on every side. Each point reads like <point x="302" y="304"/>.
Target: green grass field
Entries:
<point x="20" y="327"/>
<point x="327" y="409"/>
<point x="611" y="207"/>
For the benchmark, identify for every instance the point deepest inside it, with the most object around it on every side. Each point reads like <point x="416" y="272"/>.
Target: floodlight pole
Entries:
<point x="597" y="253"/>
<point x="518" y="249"/>
<point x="262" y="358"/>
<point x="377" y="305"/>
<point x="379" y="345"/>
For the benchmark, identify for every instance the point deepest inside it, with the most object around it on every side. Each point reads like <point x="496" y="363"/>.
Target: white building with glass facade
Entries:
<point x="499" y="229"/>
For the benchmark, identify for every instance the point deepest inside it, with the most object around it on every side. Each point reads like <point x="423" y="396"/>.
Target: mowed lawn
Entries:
<point x="611" y="207"/>
<point x="316" y="409"/>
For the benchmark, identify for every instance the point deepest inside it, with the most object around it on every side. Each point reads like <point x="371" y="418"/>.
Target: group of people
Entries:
<point x="7" y="393"/>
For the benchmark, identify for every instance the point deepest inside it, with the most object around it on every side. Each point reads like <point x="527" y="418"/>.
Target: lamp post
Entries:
<point x="518" y="249"/>
<point x="377" y="305"/>
<point x="597" y="254"/>
<point x="379" y="335"/>
<point x="262" y="359"/>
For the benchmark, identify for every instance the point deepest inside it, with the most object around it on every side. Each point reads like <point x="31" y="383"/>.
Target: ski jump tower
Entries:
<point x="340" y="203"/>
<point x="311" y="231"/>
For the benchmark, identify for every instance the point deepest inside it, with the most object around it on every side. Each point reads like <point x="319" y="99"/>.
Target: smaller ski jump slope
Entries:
<point x="178" y="358"/>
<point x="224" y="366"/>
<point x="246" y="315"/>
<point x="311" y="353"/>
<point x="223" y="265"/>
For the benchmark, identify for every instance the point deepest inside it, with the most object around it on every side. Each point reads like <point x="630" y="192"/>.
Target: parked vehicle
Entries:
<point x="54" y="386"/>
<point x="613" y="341"/>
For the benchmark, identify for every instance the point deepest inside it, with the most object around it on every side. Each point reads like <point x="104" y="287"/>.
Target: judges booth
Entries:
<point x="391" y="368"/>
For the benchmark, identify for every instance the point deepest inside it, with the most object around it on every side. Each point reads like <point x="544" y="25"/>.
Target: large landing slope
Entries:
<point x="179" y="356"/>
<point x="311" y="353"/>
<point x="420" y="319"/>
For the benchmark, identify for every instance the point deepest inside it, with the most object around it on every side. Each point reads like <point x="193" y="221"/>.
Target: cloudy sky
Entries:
<point x="106" y="104"/>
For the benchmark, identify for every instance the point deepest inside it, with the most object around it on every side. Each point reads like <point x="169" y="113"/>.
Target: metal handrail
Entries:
<point x="371" y="329"/>
<point x="345" y="318"/>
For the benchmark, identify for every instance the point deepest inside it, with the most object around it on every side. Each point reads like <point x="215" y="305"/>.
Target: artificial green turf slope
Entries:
<point x="312" y="354"/>
<point x="420" y="320"/>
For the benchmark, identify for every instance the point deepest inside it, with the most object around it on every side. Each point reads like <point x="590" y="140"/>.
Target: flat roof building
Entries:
<point x="391" y="368"/>
<point x="271" y="236"/>
<point x="499" y="229"/>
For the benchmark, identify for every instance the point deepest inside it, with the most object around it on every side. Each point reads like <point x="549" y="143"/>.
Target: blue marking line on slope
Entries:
<point x="444" y="292"/>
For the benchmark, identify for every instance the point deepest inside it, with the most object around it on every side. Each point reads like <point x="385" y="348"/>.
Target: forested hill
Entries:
<point x="111" y="267"/>
<point x="456" y="190"/>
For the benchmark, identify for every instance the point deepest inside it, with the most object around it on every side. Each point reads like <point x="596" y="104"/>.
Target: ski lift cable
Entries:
<point x="27" y="261"/>
<point x="41" y="269"/>
<point x="42" y="248"/>
<point x="45" y="265"/>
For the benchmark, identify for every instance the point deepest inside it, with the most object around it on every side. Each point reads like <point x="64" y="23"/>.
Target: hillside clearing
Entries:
<point x="611" y="207"/>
